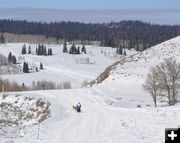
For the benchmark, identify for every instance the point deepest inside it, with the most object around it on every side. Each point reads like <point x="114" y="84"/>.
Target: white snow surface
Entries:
<point x="125" y="82"/>
<point x="109" y="113"/>
<point x="98" y="122"/>
<point x="61" y="66"/>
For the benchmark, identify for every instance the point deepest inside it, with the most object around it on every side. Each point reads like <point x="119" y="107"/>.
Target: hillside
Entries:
<point x="123" y="80"/>
<point x="109" y="108"/>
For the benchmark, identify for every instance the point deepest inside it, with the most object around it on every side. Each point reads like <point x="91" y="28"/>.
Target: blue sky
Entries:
<point x="92" y="4"/>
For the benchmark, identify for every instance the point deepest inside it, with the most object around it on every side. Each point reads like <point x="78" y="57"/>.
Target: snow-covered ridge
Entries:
<point x="140" y="63"/>
<point x="125" y="79"/>
<point x="134" y="64"/>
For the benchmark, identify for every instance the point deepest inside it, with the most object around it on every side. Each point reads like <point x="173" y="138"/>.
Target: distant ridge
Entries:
<point x="92" y="16"/>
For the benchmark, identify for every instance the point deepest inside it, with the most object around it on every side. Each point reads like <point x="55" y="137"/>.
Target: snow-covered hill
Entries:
<point x="124" y="80"/>
<point x="100" y="120"/>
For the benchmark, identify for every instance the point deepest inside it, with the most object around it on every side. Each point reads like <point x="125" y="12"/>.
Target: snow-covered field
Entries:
<point x="109" y="109"/>
<point x="61" y="66"/>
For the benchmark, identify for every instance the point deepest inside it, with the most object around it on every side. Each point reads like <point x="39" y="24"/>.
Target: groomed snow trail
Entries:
<point x="101" y="123"/>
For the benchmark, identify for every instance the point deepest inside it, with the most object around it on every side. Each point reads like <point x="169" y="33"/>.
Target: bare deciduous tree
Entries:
<point x="169" y="73"/>
<point x="152" y="85"/>
<point x="164" y="78"/>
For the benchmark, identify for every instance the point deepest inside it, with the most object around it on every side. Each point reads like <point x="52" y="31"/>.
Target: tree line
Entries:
<point x="73" y="49"/>
<point x="40" y="50"/>
<point x="127" y="34"/>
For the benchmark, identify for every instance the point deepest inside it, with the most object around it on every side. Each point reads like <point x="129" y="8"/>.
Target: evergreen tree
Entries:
<point x="41" y="50"/>
<point x="29" y="50"/>
<point x="83" y="50"/>
<point x="9" y="57"/>
<point x="41" y="66"/>
<point x="65" y="50"/>
<point x="23" y="49"/>
<point x="25" y="67"/>
<point x="73" y="49"/>
<point x="23" y="85"/>
<point x="78" y="50"/>
<point x="50" y="51"/>
<point x="13" y="59"/>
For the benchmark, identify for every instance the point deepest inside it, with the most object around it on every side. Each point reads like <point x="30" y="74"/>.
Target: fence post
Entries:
<point x="38" y="130"/>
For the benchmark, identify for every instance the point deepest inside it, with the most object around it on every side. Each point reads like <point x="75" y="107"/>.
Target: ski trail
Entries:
<point x="72" y="73"/>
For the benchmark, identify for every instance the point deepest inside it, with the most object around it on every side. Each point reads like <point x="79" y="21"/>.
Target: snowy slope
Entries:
<point x="125" y="81"/>
<point x="61" y="66"/>
<point x="98" y="122"/>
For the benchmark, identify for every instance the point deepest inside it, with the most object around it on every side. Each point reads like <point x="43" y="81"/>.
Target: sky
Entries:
<point x="155" y="11"/>
<point x="92" y="4"/>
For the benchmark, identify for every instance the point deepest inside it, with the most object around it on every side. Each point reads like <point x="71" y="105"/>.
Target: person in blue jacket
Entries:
<point x="78" y="107"/>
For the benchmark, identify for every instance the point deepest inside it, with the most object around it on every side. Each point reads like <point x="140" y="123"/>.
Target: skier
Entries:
<point x="78" y="107"/>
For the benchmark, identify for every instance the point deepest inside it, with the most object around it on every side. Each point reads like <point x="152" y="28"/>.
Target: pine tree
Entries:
<point x="65" y="50"/>
<point x="13" y="59"/>
<point x="23" y="85"/>
<point x="83" y="49"/>
<point x="29" y="50"/>
<point x="50" y="51"/>
<point x="23" y="51"/>
<point x="78" y="50"/>
<point x="9" y="57"/>
<point x="25" y="67"/>
<point x="41" y="66"/>
<point x="73" y="49"/>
